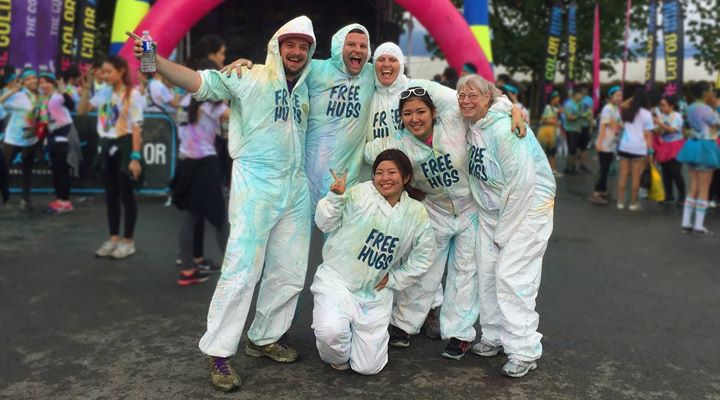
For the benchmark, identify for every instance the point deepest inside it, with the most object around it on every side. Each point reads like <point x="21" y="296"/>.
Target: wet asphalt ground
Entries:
<point x="630" y="309"/>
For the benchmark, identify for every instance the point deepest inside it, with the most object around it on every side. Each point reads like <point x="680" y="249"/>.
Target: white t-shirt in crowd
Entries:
<point x="633" y="136"/>
<point x="159" y="97"/>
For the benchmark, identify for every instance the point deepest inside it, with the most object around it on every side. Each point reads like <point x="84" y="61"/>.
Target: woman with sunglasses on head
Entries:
<point x="380" y="240"/>
<point x="513" y="184"/>
<point x="419" y="306"/>
<point x="20" y="101"/>
<point x="702" y="156"/>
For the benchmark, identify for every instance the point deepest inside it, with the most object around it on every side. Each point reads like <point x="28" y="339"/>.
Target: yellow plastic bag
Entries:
<point x="657" y="189"/>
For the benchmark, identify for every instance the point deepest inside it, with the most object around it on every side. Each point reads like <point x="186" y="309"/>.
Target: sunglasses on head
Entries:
<point x="418" y="91"/>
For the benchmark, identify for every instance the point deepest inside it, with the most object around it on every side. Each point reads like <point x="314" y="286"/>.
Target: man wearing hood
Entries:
<point x="413" y="304"/>
<point x="269" y="206"/>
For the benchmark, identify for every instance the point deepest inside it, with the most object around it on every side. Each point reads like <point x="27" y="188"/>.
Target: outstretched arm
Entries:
<point x="177" y="74"/>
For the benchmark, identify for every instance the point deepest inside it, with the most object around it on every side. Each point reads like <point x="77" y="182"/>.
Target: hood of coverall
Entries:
<point x="338" y="42"/>
<point x="300" y="25"/>
<point x="402" y="81"/>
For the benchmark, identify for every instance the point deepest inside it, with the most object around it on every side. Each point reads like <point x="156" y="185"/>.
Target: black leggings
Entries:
<point x="199" y="239"/>
<point x="672" y="172"/>
<point x="606" y="159"/>
<point x="118" y="188"/>
<point x="573" y="142"/>
<point x="26" y="166"/>
<point x="187" y="237"/>
<point x="715" y="186"/>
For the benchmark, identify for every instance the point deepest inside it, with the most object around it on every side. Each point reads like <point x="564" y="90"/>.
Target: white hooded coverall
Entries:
<point x="368" y="239"/>
<point x="269" y="206"/>
<point x="339" y="109"/>
<point x="512" y="181"/>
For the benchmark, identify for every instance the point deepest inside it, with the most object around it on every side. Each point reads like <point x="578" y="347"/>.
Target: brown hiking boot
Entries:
<point x="431" y="327"/>
<point x="277" y="351"/>
<point x="222" y="375"/>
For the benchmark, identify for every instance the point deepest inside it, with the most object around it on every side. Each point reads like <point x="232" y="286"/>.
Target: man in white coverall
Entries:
<point x="512" y="182"/>
<point x="269" y="204"/>
<point x="449" y="205"/>
<point x="380" y="241"/>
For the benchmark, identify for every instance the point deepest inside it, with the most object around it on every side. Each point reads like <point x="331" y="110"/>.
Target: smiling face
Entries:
<point x="389" y="181"/>
<point x="31" y="83"/>
<point x="387" y="69"/>
<point x="111" y="75"/>
<point x="355" y="52"/>
<point x="294" y="55"/>
<point x="417" y="118"/>
<point x="473" y="104"/>
<point x="46" y="86"/>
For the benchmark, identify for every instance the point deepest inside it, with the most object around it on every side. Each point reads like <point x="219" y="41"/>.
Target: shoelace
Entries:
<point x="222" y="365"/>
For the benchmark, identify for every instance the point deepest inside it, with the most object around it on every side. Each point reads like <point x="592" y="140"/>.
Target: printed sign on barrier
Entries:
<point x="159" y="151"/>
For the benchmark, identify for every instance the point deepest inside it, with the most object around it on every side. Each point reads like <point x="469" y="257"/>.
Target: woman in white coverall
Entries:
<point x="447" y="205"/>
<point x="512" y="181"/>
<point x="372" y="228"/>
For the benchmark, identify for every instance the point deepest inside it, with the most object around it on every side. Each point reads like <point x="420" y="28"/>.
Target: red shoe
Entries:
<point x="192" y="277"/>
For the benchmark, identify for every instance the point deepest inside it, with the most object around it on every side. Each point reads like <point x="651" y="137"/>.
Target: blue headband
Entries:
<point x="27" y="73"/>
<point x="469" y="68"/>
<point x="554" y="94"/>
<point x="48" y="75"/>
<point x="10" y="78"/>
<point x="612" y="90"/>
<point x="512" y="89"/>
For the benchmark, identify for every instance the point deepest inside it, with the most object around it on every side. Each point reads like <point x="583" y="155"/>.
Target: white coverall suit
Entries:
<point x="440" y="172"/>
<point x="269" y="206"/>
<point x="368" y="239"/>
<point x="512" y="181"/>
<point x="339" y="109"/>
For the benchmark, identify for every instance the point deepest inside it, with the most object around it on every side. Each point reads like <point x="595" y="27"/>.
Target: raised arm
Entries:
<point x="177" y="74"/>
<point x="329" y="211"/>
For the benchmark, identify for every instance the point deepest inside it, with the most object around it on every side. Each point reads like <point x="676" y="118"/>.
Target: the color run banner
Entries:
<point x="5" y="30"/>
<point x="66" y="44"/>
<point x="674" y="50"/>
<point x="651" y="47"/>
<point x="552" y="50"/>
<point x="86" y="33"/>
<point x="571" y="48"/>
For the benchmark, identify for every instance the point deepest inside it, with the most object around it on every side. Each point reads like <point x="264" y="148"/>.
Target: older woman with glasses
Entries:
<point x="511" y="180"/>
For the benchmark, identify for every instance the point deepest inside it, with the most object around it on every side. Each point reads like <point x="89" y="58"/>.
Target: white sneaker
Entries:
<point x="635" y="207"/>
<point x="123" y="250"/>
<point x="106" y="249"/>
<point x="712" y="204"/>
<point x="620" y="206"/>
<point x="341" y="367"/>
<point x="517" y="369"/>
<point x="485" y="349"/>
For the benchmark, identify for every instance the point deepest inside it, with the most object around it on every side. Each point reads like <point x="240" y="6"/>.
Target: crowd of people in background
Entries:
<point x="389" y="157"/>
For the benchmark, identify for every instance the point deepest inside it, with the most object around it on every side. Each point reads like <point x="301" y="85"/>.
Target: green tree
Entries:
<point x="703" y="32"/>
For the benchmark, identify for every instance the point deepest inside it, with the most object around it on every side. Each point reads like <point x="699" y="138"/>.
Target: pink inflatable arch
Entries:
<point x="169" y="20"/>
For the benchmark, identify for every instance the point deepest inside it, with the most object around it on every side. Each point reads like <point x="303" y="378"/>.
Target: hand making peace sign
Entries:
<point x="338" y="187"/>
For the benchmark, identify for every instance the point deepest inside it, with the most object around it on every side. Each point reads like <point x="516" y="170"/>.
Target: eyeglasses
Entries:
<point x="418" y="91"/>
<point x="471" y="96"/>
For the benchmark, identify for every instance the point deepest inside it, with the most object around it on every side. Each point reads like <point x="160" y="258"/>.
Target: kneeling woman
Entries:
<point x="514" y="185"/>
<point x="372" y="227"/>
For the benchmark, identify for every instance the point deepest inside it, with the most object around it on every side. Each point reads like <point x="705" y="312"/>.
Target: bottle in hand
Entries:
<point x="147" y="60"/>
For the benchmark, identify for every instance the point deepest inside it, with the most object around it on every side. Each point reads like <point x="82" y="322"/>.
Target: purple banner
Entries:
<point x="17" y="35"/>
<point x="44" y="52"/>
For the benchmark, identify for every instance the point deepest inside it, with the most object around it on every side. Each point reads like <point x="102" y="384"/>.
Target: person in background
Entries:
<point x="667" y="142"/>
<point x="547" y="135"/>
<point x="586" y="124"/>
<point x="702" y="156"/>
<point x="119" y="124"/>
<point x="380" y="241"/>
<point x="210" y="47"/>
<point x="572" y="123"/>
<point x="160" y="97"/>
<point x="635" y="147"/>
<point x="468" y="69"/>
<point x="512" y="91"/>
<point x="69" y="85"/>
<point x="449" y="77"/>
<point x="55" y="110"/>
<point x="611" y="125"/>
<point x="98" y="76"/>
<point x="7" y="79"/>
<point x="21" y="136"/>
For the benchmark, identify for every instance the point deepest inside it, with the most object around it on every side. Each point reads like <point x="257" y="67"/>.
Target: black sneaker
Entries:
<point x="703" y="232"/>
<point x="207" y="265"/>
<point x="398" y="337"/>
<point x="195" y="277"/>
<point x="456" y="349"/>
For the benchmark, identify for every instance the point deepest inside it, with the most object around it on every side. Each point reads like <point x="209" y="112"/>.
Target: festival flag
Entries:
<point x="66" y="43"/>
<point x="552" y="50"/>
<point x="6" y="33"/>
<point x="651" y="47"/>
<point x="571" y="48"/>
<point x="86" y="33"/>
<point x="478" y="18"/>
<point x="20" y="42"/>
<point x="625" y="51"/>
<point x="596" y="59"/>
<point x="673" y="38"/>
